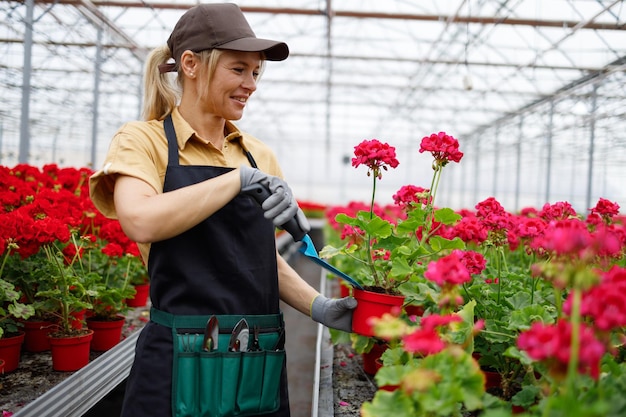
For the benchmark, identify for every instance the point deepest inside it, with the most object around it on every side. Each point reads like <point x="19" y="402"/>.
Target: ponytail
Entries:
<point x="160" y="95"/>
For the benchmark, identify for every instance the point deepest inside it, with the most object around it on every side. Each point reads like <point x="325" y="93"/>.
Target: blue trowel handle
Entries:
<point x="260" y="193"/>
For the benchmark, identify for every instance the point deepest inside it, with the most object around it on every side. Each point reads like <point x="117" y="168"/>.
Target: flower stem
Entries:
<point x="572" y="366"/>
<point x="499" y="270"/>
<point x="370" y="261"/>
<point x="434" y="185"/>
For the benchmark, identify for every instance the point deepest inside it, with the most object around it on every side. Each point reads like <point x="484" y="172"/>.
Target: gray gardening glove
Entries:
<point x="281" y="206"/>
<point x="334" y="313"/>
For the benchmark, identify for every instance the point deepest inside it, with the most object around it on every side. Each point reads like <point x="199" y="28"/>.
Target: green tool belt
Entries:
<point x="222" y="383"/>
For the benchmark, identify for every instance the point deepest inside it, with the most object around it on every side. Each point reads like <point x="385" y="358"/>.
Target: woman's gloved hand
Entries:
<point x="281" y="206"/>
<point x="335" y="313"/>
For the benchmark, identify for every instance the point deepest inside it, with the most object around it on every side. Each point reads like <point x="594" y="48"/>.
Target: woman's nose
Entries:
<point x="249" y="82"/>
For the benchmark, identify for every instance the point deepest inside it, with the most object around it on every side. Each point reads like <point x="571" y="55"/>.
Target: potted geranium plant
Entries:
<point x="387" y="254"/>
<point x="66" y="288"/>
<point x="11" y="312"/>
<point x="107" y="269"/>
<point x="131" y="267"/>
<point x="553" y="319"/>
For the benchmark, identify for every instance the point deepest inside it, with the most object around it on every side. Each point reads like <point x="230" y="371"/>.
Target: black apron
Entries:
<point x="224" y="265"/>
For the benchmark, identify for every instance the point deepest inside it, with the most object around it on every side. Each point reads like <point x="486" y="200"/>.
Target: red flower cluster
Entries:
<point x="561" y="210"/>
<point x="604" y="211"/>
<point x="426" y="340"/>
<point x="449" y="269"/>
<point x="375" y="155"/>
<point x="572" y="239"/>
<point x="605" y="304"/>
<point x="605" y="207"/>
<point x="551" y="343"/>
<point x="42" y="206"/>
<point x="408" y="195"/>
<point x="443" y="147"/>
<point x="474" y="262"/>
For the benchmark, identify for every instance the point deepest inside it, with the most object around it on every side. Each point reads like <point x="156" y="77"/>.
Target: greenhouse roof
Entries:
<point x="496" y="74"/>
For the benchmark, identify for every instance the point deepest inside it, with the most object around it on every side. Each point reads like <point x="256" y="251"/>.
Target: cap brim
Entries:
<point x="273" y="50"/>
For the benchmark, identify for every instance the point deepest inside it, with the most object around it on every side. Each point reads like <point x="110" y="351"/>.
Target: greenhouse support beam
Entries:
<point x="482" y="20"/>
<point x="592" y="140"/>
<point x="476" y="169"/>
<point x="24" y="149"/>
<point x="549" y="153"/>
<point x="96" y="99"/>
<point x="518" y="162"/>
<point x="496" y="160"/>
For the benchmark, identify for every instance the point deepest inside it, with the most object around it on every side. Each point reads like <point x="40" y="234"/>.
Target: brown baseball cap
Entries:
<point x="220" y="26"/>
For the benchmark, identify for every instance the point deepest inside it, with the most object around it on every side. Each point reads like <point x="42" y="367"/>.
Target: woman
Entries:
<point x="174" y="182"/>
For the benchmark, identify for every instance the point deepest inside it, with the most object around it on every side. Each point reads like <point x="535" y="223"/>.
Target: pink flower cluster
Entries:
<point x="443" y="147"/>
<point x="605" y="304"/>
<point x="426" y="340"/>
<point x="448" y="269"/>
<point x="408" y="195"/>
<point x="552" y="343"/>
<point x="375" y="155"/>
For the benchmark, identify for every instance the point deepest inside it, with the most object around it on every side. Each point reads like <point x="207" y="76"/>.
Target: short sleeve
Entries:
<point x="133" y="152"/>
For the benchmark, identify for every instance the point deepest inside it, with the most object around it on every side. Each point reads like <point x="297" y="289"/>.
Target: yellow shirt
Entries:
<point x="139" y="149"/>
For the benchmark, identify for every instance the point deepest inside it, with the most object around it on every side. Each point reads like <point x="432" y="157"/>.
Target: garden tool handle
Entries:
<point x="260" y="193"/>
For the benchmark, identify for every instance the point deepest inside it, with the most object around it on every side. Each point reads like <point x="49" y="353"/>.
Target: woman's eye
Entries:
<point x="255" y="74"/>
<point x="238" y="70"/>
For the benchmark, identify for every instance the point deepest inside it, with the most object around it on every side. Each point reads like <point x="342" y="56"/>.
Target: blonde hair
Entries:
<point x="161" y="95"/>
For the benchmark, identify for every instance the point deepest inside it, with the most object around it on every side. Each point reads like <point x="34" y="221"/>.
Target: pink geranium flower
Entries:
<point x="551" y="343"/>
<point x="443" y="147"/>
<point x="448" y="270"/>
<point x="375" y="155"/>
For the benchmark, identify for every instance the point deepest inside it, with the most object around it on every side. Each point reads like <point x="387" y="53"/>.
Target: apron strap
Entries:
<point x="266" y="321"/>
<point x="251" y="159"/>
<point x="172" y="143"/>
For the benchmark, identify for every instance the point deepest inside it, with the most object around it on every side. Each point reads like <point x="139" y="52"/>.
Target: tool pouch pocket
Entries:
<point x="222" y="383"/>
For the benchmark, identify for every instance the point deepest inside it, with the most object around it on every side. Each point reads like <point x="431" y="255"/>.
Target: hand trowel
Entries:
<point x="260" y="194"/>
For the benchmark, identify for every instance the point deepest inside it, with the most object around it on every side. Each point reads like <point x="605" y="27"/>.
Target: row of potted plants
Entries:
<point x="61" y="259"/>
<point x="535" y="300"/>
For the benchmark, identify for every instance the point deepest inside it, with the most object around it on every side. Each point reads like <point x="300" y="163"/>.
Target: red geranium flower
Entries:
<point x="606" y="208"/>
<point x="551" y="343"/>
<point x="443" y="147"/>
<point x="411" y="194"/>
<point x="375" y="155"/>
<point x="448" y="270"/>
<point x="423" y="341"/>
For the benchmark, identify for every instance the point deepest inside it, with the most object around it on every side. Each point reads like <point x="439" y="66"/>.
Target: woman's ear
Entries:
<point x="189" y="64"/>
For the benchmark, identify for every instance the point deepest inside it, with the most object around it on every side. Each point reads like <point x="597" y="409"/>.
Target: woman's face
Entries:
<point x="234" y="81"/>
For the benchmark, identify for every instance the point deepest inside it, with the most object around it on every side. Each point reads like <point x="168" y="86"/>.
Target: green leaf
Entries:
<point x="522" y="319"/>
<point x="439" y="243"/>
<point x="378" y="228"/>
<point x="527" y="396"/>
<point x="386" y="403"/>
<point x="401" y="268"/>
<point x="361" y="344"/>
<point x="447" y="216"/>
<point x="462" y="332"/>
<point x="394" y="356"/>
<point x="391" y="374"/>
<point x="21" y="311"/>
<point x="329" y="251"/>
